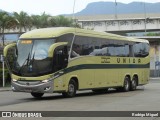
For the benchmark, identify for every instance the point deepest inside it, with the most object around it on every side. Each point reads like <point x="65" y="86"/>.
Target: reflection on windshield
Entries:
<point x="33" y="58"/>
<point x="40" y="49"/>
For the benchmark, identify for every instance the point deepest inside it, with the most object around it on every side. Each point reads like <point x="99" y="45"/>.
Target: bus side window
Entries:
<point x="66" y="38"/>
<point x="76" y="51"/>
<point x="131" y="53"/>
<point x="141" y="49"/>
<point x="126" y="50"/>
<point x="145" y="49"/>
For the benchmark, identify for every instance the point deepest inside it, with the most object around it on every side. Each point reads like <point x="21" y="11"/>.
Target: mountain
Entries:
<point x="99" y="8"/>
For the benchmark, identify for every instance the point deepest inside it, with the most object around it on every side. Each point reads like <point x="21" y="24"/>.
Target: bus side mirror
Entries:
<point x="5" y="51"/>
<point x="54" y="46"/>
<point x="59" y="53"/>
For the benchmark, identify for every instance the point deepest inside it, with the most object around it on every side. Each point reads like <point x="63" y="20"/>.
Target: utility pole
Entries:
<point x="115" y="9"/>
<point x="145" y="18"/>
<point x="73" y="14"/>
<point x="2" y="60"/>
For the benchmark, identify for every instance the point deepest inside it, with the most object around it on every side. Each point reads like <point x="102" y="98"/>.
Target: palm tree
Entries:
<point x="35" y="20"/>
<point x="29" y="23"/>
<point x="40" y="21"/>
<point x="22" y="20"/>
<point x="44" y="20"/>
<point x="62" y="21"/>
<point x="51" y="22"/>
<point x="6" y="22"/>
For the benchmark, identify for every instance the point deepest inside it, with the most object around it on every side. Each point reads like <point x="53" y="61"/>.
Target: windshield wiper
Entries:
<point x="32" y="60"/>
<point x="27" y="60"/>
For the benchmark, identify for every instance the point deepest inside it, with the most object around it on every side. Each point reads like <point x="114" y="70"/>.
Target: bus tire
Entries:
<point x="72" y="87"/>
<point x="126" y="84"/>
<point x="37" y="95"/>
<point x="133" y="84"/>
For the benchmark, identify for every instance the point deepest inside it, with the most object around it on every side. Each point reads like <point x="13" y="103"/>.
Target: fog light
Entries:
<point x="47" y="88"/>
<point x="13" y="88"/>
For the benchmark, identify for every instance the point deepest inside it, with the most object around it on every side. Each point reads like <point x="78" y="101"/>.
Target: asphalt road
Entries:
<point x="145" y="98"/>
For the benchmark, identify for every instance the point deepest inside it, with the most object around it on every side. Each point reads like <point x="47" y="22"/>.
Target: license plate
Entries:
<point x="28" y="90"/>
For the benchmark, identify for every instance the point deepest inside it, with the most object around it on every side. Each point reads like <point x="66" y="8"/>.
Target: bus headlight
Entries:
<point x="47" y="80"/>
<point x="14" y="80"/>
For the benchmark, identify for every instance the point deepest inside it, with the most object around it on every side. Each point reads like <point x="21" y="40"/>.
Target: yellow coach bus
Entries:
<point x="65" y="60"/>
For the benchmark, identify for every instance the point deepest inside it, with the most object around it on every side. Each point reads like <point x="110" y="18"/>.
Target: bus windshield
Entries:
<point x="32" y="57"/>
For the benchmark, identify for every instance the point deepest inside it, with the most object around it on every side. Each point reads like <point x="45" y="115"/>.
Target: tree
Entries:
<point x="62" y="21"/>
<point x="29" y="23"/>
<point x="43" y="20"/>
<point x="40" y="21"/>
<point x="6" y="22"/>
<point x="153" y="34"/>
<point x="51" y="22"/>
<point x="35" y="20"/>
<point x="22" y="20"/>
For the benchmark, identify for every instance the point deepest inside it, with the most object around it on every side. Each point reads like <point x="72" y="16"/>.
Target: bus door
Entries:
<point x="60" y="62"/>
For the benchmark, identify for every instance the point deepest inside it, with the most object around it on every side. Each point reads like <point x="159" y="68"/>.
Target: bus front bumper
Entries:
<point x="32" y="86"/>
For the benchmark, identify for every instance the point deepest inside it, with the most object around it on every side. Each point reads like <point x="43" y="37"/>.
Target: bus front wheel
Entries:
<point x="72" y="87"/>
<point x="37" y="95"/>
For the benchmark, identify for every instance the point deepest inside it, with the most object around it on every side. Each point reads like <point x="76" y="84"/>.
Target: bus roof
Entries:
<point x="58" y="31"/>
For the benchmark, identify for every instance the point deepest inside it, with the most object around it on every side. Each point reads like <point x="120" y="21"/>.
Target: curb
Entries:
<point x="156" y="78"/>
<point x="5" y="89"/>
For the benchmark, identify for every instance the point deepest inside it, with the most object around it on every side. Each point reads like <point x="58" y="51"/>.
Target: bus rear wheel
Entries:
<point x="133" y="84"/>
<point x="37" y="95"/>
<point x="72" y="87"/>
<point x="126" y="85"/>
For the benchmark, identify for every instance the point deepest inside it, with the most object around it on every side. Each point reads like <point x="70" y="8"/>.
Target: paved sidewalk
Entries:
<point x="155" y="78"/>
<point x="5" y="89"/>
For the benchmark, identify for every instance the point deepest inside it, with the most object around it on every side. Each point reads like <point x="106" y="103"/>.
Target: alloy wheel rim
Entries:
<point x="126" y="85"/>
<point x="71" y="88"/>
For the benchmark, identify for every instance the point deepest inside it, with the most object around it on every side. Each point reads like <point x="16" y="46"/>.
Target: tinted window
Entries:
<point x="126" y="50"/>
<point x="82" y="46"/>
<point x="97" y="47"/>
<point x="102" y="47"/>
<point x="141" y="49"/>
<point x="122" y="50"/>
<point x="66" y="38"/>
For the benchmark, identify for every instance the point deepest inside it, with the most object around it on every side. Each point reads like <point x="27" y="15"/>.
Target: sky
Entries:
<point x="52" y="7"/>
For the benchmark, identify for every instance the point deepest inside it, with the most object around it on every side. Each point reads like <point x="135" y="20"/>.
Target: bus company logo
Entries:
<point x="6" y="114"/>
